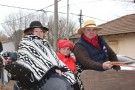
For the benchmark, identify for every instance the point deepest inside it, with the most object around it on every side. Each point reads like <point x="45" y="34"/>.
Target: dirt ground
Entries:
<point x="9" y="86"/>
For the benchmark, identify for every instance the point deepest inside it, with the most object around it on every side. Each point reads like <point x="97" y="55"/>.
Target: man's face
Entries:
<point x="90" y="32"/>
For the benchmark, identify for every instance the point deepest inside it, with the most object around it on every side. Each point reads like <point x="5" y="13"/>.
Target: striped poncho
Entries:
<point x="37" y="55"/>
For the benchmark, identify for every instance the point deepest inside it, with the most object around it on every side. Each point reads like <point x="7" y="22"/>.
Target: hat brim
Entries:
<point x="44" y="28"/>
<point x="80" y="31"/>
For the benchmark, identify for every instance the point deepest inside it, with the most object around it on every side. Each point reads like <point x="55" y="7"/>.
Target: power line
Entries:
<point x="28" y="9"/>
<point x="53" y="12"/>
<point x="94" y="18"/>
<point x="43" y="11"/>
<point x="17" y="7"/>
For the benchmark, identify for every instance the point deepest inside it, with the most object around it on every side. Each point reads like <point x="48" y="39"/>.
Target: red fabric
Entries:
<point x="69" y="61"/>
<point x="65" y="43"/>
<point x="93" y="41"/>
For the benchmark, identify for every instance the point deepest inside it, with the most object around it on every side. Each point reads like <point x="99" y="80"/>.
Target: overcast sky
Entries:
<point x="99" y="10"/>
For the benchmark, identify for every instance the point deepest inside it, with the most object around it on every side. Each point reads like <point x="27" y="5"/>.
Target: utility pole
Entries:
<point x="67" y="33"/>
<point x="55" y="25"/>
<point x="80" y="19"/>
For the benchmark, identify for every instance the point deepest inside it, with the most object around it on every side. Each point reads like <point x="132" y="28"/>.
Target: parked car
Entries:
<point x="123" y="58"/>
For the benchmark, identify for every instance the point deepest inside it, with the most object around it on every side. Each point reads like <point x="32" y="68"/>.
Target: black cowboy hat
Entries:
<point x="35" y="24"/>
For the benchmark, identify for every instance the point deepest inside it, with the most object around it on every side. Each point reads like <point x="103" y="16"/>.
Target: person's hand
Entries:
<point x="58" y="71"/>
<point x="107" y="65"/>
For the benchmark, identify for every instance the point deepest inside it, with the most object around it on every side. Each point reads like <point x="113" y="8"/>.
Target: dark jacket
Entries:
<point x="90" y="57"/>
<point x="1" y="47"/>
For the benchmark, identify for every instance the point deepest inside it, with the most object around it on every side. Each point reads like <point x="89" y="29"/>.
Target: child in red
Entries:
<point x="65" y="47"/>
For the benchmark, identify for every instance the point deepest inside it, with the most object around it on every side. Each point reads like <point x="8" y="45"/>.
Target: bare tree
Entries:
<point x="3" y="38"/>
<point x="62" y="32"/>
<point x="16" y="23"/>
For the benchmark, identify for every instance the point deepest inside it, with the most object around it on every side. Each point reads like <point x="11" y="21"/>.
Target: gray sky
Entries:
<point x="99" y="10"/>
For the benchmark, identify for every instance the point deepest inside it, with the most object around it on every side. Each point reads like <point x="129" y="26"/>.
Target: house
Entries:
<point x="119" y="34"/>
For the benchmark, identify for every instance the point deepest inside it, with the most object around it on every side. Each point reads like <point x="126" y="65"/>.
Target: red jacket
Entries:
<point x="69" y="61"/>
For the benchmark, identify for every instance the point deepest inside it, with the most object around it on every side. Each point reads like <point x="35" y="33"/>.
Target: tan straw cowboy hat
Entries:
<point x="89" y="23"/>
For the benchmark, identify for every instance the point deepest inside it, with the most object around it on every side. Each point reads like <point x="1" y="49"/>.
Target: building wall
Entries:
<point x="123" y="44"/>
<point x="8" y="47"/>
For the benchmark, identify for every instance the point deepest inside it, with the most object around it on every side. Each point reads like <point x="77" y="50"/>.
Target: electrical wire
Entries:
<point x="27" y="9"/>
<point x="52" y="11"/>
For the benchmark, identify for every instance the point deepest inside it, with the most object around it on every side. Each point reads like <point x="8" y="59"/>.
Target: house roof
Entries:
<point x="124" y="24"/>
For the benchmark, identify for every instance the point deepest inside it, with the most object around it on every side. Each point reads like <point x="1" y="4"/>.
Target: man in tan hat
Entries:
<point x="91" y="50"/>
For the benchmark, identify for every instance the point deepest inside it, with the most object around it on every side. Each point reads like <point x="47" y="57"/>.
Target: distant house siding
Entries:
<point x="123" y="44"/>
<point x="113" y="45"/>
